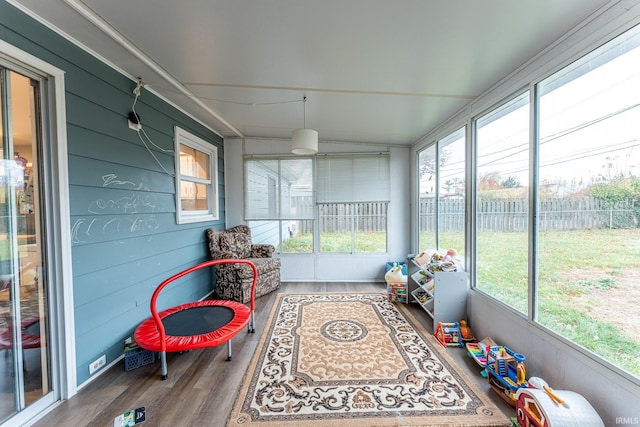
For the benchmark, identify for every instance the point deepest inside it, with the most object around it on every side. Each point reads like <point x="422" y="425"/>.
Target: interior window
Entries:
<point x="353" y="195"/>
<point x="279" y="203"/>
<point x="196" y="178"/>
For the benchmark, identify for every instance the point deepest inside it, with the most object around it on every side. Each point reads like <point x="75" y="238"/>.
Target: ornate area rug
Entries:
<point x="355" y="360"/>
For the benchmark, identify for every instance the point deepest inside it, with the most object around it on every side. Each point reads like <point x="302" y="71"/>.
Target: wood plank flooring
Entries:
<point x="202" y="385"/>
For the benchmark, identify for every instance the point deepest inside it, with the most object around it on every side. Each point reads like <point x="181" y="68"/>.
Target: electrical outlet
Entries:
<point x="97" y="364"/>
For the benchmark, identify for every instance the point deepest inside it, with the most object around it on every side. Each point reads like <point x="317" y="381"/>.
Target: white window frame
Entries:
<point x="183" y="137"/>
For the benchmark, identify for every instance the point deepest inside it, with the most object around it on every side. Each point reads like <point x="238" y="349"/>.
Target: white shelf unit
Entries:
<point x="443" y="295"/>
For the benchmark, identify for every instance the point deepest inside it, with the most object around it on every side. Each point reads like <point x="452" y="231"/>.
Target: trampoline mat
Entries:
<point x="197" y="320"/>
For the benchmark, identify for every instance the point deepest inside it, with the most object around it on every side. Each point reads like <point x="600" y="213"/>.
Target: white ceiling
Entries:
<point x="376" y="71"/>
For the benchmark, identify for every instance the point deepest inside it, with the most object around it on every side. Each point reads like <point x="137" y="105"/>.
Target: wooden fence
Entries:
<point x="366" y="217"/>
<point x="492" y="215"/>
<point x="513" y="214"/>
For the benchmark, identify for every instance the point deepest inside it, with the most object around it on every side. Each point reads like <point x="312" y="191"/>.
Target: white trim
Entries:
<point x="184" y="137"/>
<point x="64" y="230"/>
<point x="60" y="228"/>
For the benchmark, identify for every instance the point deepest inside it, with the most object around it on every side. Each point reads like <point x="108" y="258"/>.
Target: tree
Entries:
<point x="489" y="181"/>
<point x="428" y="163"/>
<point x="510" y="182"/>
<point x="620" y="193"/>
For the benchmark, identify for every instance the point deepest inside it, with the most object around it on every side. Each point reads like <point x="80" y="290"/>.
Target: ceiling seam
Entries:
<point x="350" y="91"/>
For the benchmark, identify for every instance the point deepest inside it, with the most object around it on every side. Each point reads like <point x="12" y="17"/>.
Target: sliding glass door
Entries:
<point x="25" y="363"/>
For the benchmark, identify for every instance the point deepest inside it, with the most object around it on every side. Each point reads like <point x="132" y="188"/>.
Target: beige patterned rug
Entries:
<point x="355" y="360"/>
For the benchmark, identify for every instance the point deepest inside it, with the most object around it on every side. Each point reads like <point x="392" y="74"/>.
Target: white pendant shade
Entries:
<point x="304" y="141"/>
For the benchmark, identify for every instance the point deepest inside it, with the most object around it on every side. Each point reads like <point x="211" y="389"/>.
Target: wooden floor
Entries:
<point x="202" y="385"/>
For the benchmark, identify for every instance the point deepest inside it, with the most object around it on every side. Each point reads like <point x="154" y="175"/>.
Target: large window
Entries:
<point x="341" y="208"/>
<point x="451" y="192"/>
<point x="279" y="202"/>
<point x="502" y="204"/>
<point x="427" y="197"/>
<point x="353" y="194"/>
<point x="589" y="202"/>
<point x="196" y="178"/>
<point x="583" y="145"/>
<point x="441" y="194"/>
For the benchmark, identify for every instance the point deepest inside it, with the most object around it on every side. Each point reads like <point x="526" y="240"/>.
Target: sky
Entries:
<point x="589" y="127"/>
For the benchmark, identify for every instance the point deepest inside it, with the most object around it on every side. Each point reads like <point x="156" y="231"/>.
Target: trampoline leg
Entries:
<point x="229" y="350"/>
<point x="163" y="362"/>
<point x="252" y="325"/>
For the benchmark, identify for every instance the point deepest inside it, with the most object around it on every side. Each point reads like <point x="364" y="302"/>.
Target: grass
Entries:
<point x="570" y="264"/>
<point x="301" y="243"/>
<point x="602" y="283"/>
<point x="565" y="258"/>
<point x="338" y="243"/>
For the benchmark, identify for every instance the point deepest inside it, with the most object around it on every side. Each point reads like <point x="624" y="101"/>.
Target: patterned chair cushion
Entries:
<point x="238" y="244"/>
<point x="263" y="265"/>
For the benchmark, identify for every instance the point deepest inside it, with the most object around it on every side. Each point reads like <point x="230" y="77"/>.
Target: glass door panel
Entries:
<point x="25" y="374"/>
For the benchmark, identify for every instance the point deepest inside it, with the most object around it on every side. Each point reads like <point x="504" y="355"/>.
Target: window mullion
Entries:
<point x="534" y="159"/>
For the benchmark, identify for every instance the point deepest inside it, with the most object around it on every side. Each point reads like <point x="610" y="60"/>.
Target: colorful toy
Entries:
<point x="539" y="383"/>
<point x="549" y="408"/>
<point x="443" y="262"/>
<point x="397" y="292"/>
<point x="506" y="372"/>
<point x="449" y="334"/>
<point x="422" y="258"/>
<point x="465" y="331"/>
<point x="450" y="255"/>
<point x="478" y="352"/>
<point x="396" y="284"/>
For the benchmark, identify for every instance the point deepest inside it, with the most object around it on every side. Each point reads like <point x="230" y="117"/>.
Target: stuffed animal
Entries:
<point x="394" y="275"/>
<point x="450" y="256"/>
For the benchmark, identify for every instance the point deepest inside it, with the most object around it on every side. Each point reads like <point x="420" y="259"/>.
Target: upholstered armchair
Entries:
<point x="233" y="281"/>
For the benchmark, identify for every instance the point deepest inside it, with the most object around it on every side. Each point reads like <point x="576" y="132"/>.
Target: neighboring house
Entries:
<point x="109" y="203"/>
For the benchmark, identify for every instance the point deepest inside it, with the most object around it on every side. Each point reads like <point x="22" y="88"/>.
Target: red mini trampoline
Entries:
<point x="195" y="325"/>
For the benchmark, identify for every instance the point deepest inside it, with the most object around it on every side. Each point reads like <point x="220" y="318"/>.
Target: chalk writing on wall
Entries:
<point x="132" y="204"/>
<point x="126" y="216"/>
<point x="111" y="179"/>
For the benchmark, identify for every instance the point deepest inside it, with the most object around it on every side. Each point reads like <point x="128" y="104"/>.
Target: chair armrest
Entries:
<point x="262" y="251"/>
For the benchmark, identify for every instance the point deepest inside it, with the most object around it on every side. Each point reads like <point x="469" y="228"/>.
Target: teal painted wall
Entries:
<point x="125" y="239"/>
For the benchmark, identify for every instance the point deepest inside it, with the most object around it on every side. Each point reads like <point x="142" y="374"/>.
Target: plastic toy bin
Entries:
<point x="136" y="357"/>
<point x="397" y="292"/>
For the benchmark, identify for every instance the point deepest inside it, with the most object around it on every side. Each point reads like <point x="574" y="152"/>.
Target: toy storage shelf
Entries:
<point x="443" y="295"/>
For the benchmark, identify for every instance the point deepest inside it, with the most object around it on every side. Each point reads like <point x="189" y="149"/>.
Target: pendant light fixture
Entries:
<point x="304" y="141"/>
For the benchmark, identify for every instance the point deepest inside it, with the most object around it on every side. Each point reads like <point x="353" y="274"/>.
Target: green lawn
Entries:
<point x="570" y="264"/>
<point x="338" y="243"/>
